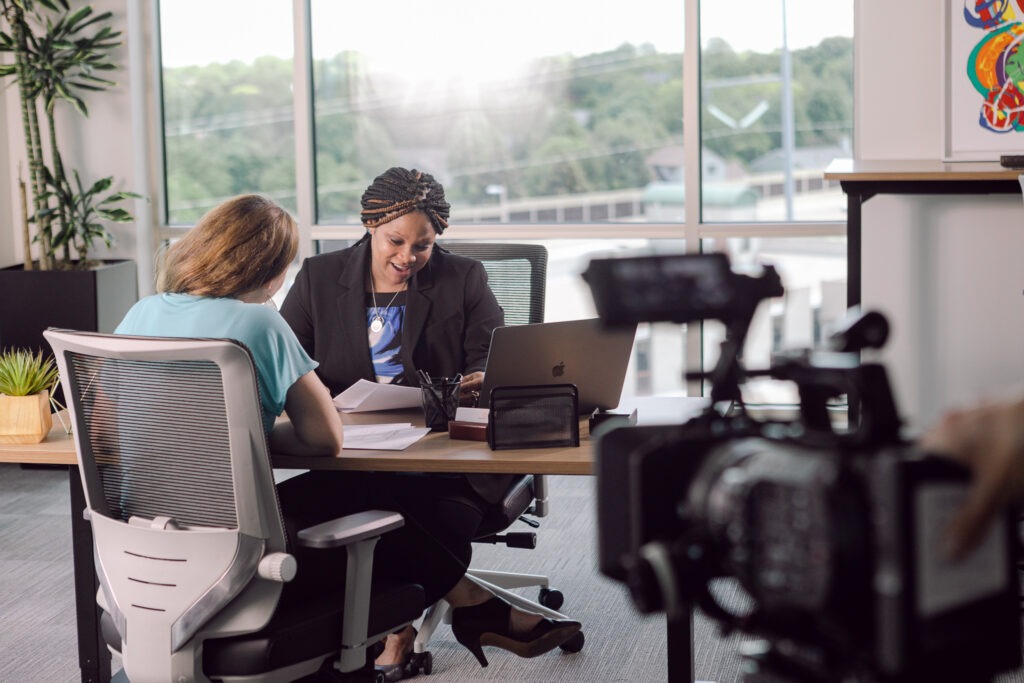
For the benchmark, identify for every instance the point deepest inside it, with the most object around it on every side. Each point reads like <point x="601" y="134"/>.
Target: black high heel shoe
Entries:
<point x="488" y="624"/>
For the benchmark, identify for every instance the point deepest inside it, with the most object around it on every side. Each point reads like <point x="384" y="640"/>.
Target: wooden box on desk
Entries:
<point x="470" y="424"/>
<point x="467" y="431"/>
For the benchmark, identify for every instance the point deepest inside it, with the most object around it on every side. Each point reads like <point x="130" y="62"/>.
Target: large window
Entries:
<point x="229" y="123"/>
<point x="588" y="126"/>
<point x="776" y="107"/>
<point x="534" y="111"/>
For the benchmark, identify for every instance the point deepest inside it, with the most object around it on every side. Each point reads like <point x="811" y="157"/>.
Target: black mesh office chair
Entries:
<point x="189" y="542"/>
<point x="517" y="274"/>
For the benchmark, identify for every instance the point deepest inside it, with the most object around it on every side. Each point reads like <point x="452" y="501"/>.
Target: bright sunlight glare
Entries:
<point x="475" y="40"/>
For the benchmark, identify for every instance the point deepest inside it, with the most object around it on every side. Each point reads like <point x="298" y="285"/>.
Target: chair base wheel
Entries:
<point x="551" y="598"/>
<point x="574" y="644"/>
<point x="420" y="662"/>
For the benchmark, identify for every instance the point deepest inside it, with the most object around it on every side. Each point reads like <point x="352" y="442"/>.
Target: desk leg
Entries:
<point x="854" y="201"/>
<point x="93" y="656"/>
<point x="854" y="266"/>
<point x="679" y="639"/>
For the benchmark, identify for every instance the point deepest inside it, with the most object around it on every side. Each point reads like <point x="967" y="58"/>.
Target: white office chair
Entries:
<point x="189" y="543"/>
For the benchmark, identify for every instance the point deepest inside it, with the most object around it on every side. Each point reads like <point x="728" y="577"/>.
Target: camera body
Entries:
<point x="835" y="534"/>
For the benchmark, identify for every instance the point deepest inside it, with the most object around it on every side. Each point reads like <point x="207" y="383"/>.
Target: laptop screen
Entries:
<point x="579" y="352"/>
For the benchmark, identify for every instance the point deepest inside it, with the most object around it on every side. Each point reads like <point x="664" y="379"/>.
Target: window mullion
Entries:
<point x="302" y="98"/>
<point x="691" y="176"/>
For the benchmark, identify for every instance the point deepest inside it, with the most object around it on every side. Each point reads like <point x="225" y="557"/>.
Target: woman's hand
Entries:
<point x="989" y="439"/>
<point x="469" y="390"/>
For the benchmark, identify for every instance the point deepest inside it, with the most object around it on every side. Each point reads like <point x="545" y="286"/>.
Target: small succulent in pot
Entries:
<point x="26" y="382"/>
<point x="23" y="373"/>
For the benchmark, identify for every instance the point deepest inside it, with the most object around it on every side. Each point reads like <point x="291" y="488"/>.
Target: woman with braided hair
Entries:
<point x="382" y="310"/>
<point x="420" y="308"/>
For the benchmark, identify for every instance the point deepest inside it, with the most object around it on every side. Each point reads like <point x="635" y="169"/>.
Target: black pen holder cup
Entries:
<point x="440" y="401"/>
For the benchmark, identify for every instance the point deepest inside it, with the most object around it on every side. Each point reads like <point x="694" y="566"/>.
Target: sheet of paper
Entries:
<point x="383" y="437"/>
<point x="474" y="415"/>
<point x="366" y="396"/>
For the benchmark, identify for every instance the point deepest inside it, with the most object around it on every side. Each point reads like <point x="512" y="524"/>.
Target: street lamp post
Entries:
<point x="502" y="192"/>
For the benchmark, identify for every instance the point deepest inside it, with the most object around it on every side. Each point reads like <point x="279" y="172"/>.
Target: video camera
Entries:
<point x="835" y="533"/>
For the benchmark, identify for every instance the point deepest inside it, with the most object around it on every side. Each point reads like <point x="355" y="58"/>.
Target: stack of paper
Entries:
<point x="383" y="437"/>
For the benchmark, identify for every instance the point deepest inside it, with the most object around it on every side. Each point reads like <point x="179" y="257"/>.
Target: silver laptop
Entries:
<point x="579" y="352"/>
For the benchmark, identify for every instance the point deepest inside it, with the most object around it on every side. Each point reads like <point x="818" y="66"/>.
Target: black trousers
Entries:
<point x="433" y="549"/>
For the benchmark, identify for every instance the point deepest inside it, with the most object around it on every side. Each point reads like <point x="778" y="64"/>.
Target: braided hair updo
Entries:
<point x="398" y="191"/>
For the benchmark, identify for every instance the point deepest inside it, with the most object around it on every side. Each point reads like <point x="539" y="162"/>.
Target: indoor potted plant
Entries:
<point x="26" y="382"/>
<point x="59" y="54"/>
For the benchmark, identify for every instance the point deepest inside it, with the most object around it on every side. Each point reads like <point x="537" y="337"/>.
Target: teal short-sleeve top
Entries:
<point x="279" y="358"/>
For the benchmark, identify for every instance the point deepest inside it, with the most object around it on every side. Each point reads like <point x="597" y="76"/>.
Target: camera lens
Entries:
<point x="643" y="586"/>
<point x="652" y="579"/>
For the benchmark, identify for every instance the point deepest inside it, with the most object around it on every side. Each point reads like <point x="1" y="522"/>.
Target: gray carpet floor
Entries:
<point x="37" y="627"/>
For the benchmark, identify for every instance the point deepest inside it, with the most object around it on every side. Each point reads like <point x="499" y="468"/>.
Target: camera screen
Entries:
<point x="673" y="288"/>
<point x="943" y="584"/>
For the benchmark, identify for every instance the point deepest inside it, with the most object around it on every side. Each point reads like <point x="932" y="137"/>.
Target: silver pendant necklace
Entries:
<point x="377" y="322"/>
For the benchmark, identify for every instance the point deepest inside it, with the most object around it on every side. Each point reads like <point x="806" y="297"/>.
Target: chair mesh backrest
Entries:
<point x="158" y="433"/>
<point x="517" y="274"/>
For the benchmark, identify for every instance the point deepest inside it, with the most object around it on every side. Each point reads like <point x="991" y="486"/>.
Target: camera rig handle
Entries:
<point x="822" y="375"/>
<point x="747" y="294"/>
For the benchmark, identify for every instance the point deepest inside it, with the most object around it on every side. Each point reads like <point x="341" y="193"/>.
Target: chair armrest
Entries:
<point x="350" y="529"/>
<point x="358" y="533"/>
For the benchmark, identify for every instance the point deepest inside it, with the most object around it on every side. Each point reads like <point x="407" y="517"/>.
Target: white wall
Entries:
<point x="896" y="73"/>
<point x="947" y="273"/>
<point x="98" y="146"/>
<point x="946" y="270"/>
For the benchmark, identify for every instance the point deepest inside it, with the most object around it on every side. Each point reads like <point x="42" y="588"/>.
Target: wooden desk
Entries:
<point x="58" y="448"/>
<point x="862" y="180"/>
<point x="436" y="452"/>
<point x="433" y="453"/>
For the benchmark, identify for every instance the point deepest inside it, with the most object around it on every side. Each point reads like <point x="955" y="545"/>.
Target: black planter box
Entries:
<point x="89" y="300"/>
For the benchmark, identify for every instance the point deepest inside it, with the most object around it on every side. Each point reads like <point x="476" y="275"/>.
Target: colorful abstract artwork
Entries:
<point x="985" y="78"/>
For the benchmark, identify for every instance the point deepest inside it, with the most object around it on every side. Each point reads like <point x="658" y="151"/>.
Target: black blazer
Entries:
<point x="450" y="313"/>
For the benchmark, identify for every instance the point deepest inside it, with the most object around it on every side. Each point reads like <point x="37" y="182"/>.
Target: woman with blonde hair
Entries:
<point x="213" y="284"/>
<point x="237" y="255"/>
